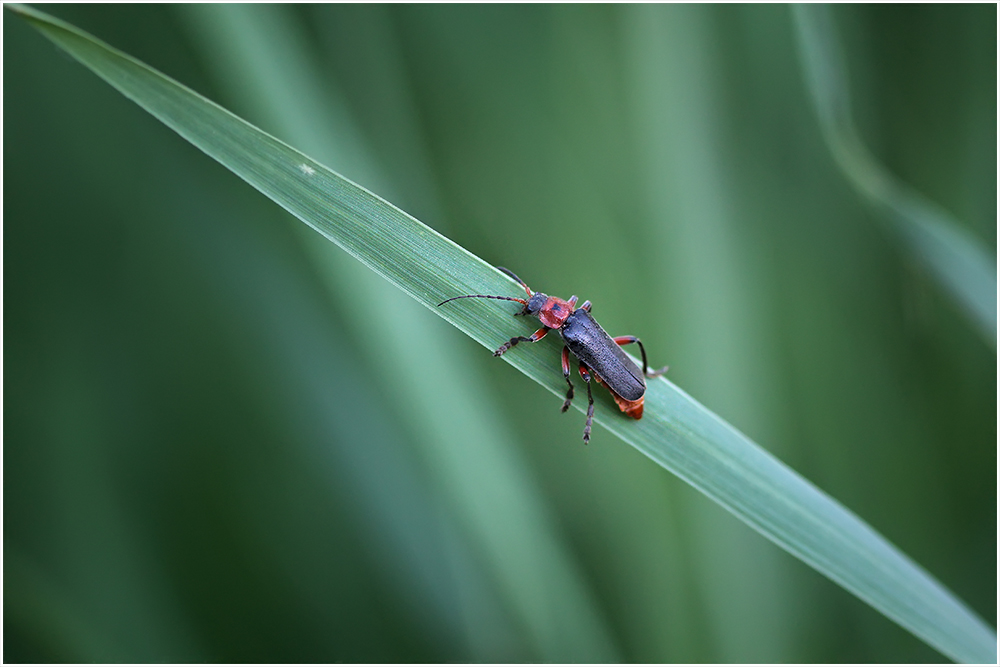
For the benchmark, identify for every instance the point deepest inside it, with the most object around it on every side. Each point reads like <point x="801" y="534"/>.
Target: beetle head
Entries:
<point x="534" y="304"/>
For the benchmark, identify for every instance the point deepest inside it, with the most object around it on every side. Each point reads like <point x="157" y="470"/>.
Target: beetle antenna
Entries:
<point x="484" y="296"/>
<point x="514" y="276"/>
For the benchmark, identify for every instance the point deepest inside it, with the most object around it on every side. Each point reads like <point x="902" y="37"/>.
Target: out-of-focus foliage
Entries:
<point x="958" y="261"/>
<point x="205" y="459"/>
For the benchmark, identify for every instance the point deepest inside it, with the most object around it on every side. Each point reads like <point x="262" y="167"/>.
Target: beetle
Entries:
<point x="601" y="356"/>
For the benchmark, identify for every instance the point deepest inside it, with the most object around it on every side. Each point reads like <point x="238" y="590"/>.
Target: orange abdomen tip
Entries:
<point x="632" y="408"/>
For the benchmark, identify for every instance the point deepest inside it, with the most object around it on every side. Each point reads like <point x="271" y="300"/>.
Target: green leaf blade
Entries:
<point x="677" y="432"/>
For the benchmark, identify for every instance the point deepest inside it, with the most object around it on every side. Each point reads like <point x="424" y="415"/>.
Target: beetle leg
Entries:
<point x="586" y="306"/>
<point x="572" y="303"/>
<point x="585" y="374"/>
<point x="565" y="366"/>
<point x="625" y="340"/>
<point x="533" y="338"/>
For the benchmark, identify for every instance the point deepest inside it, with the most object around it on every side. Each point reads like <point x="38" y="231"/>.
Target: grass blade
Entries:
<point x="958" y="260"/>
<point x="677" y="432"/>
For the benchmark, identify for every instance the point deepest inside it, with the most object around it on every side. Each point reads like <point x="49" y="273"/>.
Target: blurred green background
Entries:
<point x="216" y="451"/>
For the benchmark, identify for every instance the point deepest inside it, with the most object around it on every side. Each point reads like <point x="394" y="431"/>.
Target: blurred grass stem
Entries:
<point x="951" y="254"/>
